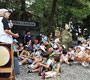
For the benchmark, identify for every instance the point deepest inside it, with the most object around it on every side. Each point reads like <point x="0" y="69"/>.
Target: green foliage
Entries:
<point x="42" y="9"/>
<point x="10" y="4"/>
<point x="66" y="10"/>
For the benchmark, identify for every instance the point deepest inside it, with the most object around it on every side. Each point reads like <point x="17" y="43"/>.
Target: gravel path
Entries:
<point x="74" y="72"/>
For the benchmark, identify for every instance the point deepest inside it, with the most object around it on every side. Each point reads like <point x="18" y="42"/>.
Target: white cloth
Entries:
<point x="52" y="74"/>
<point x="70" y="53"/>
<point x="64" y="57"/>
<point x="56" y="40"/>
<point x="4" y="37"/>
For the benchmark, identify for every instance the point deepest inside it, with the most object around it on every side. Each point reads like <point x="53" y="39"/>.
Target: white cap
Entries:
<point x="2" y="11"/>
<point x="78" y="47"/>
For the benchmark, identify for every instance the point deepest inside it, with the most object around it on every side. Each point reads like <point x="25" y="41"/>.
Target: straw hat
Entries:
<point x="4" y="56"/>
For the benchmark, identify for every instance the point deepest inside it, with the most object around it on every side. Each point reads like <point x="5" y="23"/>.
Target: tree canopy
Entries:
<point x="53" y="13"/>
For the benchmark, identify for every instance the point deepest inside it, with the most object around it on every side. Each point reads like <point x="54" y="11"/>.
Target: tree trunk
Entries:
<point x="23" y="9"/>
<point x="52" y="15"/>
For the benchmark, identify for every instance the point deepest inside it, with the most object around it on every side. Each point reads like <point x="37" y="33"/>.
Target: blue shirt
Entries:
<point x="44" y="39"/>
<point x="27" y="38"/>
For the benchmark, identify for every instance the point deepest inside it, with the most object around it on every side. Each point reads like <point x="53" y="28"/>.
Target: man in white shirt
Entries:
<point x="6" y="36"/>
<point x="5" y="32"/>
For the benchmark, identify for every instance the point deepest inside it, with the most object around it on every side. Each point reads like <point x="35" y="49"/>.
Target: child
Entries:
<point x="15" y="48"/>
<point x="71" y="53"/>
<point x="64" y="57"/>
<point x="86" y="57"/>
<point x="36" y="59"/>
<point x="36" y="45"/>
<point x="55" y="70"/>
<point x="79" y="55"/>
<point x="21" y="47"/>
<point x="24" y="55"/>
<point x="45" y="65"/>
<point x="59" y="52"/>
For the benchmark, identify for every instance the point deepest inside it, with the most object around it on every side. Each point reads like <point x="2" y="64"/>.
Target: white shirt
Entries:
<point x="56" y="40"/>
<point x="4" y="37"/>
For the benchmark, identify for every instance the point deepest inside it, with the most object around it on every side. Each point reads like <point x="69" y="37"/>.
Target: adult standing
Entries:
<point x="57" y="32"/>
<point x="66" y="37"/>
<point x="6" y="35"/>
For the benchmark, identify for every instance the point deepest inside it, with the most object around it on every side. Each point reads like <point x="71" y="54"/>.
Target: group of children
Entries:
<point x="47" y="56"/>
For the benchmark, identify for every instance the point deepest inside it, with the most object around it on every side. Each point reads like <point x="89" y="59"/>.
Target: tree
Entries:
<point x="66" y="11"/>
<point x="52" y="15"/>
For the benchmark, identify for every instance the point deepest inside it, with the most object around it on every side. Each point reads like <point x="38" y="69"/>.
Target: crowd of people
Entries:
<point x="47" y="55"/>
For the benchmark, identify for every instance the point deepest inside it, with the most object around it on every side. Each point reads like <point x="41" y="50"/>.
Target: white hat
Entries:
<point x="2" y="11"/>
<point x="78" y="47"/>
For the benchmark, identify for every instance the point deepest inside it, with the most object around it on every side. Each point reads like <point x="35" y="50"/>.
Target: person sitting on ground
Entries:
<point x="24" y="55"/>
<point x="21" y="47"/>
<point x="55" y="48"/>
<point x="86" y="57"/>
<point x="29" y="44"/>
<point x="50" y="37"/>
<point x="36" y="59"/>
<point x="45" y="65"/>
<point x="15" y="48"/>
<point x="51" y="52"/>
<point x="42" y="46"/>
<point x="71" y="52"/>
<point x="44" y="39"/>
<point x="79" y="55"/>
<point x="58" y="40"/>
<point x="55" y="70"/>
<point x="60" y="51"/>
<point x="36" y="45"/>
<point x="64" y="58"/>
<point x="84" y="44"/>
